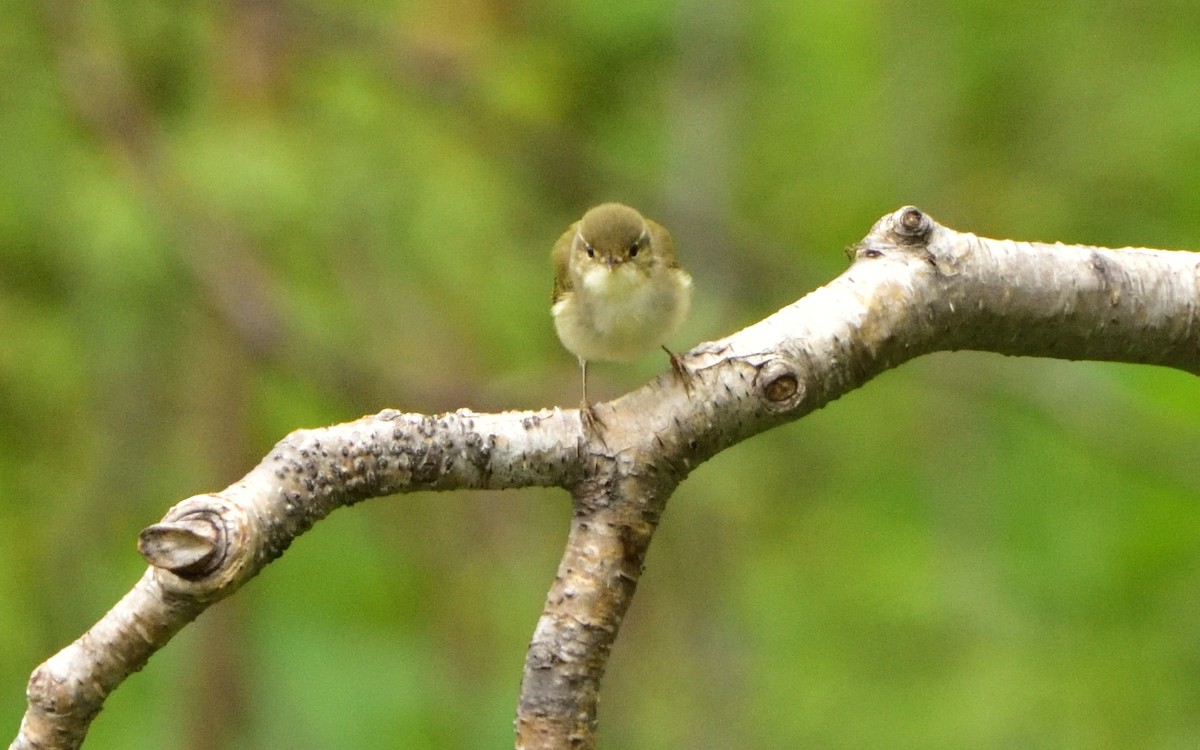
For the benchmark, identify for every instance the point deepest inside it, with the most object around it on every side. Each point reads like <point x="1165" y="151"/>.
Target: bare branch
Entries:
<point x="305" y="477"/>
<point x="915" y="287"/>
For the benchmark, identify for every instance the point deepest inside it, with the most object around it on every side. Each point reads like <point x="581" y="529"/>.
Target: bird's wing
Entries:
<point x="561" y="255"/>
<point x="662" y="240"/>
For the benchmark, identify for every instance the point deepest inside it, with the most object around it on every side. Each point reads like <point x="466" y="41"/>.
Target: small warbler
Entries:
<point x="618" y="290"/>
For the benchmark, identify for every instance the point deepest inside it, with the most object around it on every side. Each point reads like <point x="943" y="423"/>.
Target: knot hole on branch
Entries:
<point x="905" y="229"/>
<point x="911" y="226"/>
<point x="780" y="385"/>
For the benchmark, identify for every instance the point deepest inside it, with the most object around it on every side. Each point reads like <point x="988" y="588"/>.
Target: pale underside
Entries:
<point x="622" y="313"/>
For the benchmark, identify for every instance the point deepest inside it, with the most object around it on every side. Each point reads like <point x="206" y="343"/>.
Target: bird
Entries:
<point x="618" y="289"/>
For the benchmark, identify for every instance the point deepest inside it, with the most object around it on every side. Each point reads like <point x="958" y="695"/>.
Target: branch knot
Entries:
<point x="780" y="385"/>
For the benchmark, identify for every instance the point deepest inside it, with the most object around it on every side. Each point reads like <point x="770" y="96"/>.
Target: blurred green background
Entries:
<point x="220" y="222"/>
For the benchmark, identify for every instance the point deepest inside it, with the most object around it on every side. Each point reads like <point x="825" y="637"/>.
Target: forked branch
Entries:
<point x="914" y="287"/>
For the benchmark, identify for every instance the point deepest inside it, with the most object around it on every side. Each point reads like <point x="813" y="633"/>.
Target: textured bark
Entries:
<point x="914" y="287"/>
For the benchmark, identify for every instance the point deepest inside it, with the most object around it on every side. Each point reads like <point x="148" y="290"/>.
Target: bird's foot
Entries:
<point x="592" y="424"/>
<point x="682" y="373"/>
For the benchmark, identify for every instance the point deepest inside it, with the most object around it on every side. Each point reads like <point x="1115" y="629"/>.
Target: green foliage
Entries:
<point x="222" y="222"/>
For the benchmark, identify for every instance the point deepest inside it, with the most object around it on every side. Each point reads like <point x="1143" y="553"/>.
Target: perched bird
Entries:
<point x="618" y="291"/>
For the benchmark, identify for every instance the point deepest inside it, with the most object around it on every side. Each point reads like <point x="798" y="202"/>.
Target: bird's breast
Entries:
<point x="620" y="314"/>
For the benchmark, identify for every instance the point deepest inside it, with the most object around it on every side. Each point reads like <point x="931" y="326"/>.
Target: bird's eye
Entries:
<point x="633" y="249"/>
<point x="591" y="251"/>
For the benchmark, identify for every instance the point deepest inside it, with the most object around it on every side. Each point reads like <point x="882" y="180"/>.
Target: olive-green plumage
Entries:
<point x="618" y="290"/>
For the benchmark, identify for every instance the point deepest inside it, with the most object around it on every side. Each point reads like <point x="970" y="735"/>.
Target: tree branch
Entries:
<point x="915" y="287"/>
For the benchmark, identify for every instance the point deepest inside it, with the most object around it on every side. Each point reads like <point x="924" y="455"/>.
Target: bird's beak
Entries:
<point x="611" y="261"/>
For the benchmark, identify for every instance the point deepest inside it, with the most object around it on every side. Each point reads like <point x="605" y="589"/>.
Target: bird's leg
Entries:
<point x="681" y="371"/>
<point x="587" y="415"/>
